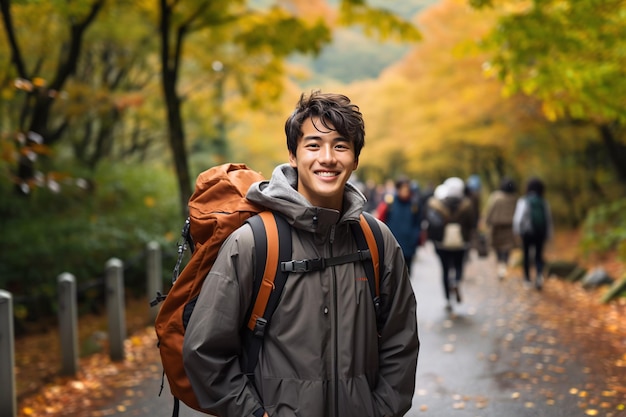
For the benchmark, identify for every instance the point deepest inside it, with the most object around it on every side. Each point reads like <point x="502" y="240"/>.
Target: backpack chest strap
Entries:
<point x="318" y="264"/>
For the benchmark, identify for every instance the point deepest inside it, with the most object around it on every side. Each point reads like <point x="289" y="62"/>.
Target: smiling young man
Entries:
<point x="324" y="160"/>
<point x="323" y="354"/>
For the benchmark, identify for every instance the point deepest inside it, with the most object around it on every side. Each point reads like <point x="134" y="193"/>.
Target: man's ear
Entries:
<point x="292" y="160"/>
<point x="356" y="164"/>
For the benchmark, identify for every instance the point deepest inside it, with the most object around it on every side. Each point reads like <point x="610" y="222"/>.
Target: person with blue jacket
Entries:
<point x="402" y="214"/>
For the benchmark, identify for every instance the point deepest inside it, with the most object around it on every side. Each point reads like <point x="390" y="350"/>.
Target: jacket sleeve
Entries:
<point x="520" y="207"/>
<point x="212" y="343"/>
<point x="398" y="347"/>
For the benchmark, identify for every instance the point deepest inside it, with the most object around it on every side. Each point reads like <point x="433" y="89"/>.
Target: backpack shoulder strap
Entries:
<point x="272" y="241"/>
<point x="272" y="238"/>
<point x="368" y="235"/>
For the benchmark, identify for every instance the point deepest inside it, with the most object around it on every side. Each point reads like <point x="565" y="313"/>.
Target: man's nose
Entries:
<point x="327" y="154"/>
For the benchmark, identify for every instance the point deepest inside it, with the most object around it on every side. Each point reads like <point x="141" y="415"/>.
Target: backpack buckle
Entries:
<point x="305" y="265"/>
<point x="364" y="255"/>
<point x="259" y="327"/>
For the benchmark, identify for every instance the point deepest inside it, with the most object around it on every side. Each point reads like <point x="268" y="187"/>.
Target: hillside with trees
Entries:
<point x="109" y="110"/>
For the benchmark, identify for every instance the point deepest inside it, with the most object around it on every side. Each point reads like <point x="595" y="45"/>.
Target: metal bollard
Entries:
<point x="68" y="323"/>
<point x="8" y="402"/>
<point x="154" y="275"/>
<point x="115" y="308"/>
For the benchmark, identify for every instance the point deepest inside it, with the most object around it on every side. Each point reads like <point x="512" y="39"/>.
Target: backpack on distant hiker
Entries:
<point x="452" y="236"/>
<point x="216" y="209"/>
<point x="534" y="221"/>
<point x="443" y="226"/>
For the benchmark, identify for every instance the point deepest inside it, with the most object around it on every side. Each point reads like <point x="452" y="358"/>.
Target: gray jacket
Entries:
<point x="322" y="355"/>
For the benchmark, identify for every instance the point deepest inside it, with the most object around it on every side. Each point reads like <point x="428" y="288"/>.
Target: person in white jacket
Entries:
<point x="532" y="222"/>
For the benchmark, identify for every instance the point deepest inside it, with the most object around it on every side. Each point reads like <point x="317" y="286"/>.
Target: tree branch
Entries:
<point x="16" y="55"/>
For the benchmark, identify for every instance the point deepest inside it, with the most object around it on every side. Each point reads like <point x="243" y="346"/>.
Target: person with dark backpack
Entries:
<point x="532" y="222"/>
<point x="329" y="350"/>
<point x="450" y="218"/>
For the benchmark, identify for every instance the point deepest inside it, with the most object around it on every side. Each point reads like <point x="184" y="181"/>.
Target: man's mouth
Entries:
<point x="326" y="174"/>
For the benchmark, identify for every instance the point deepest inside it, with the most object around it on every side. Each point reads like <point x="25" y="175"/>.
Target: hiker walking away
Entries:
<point x="323" y="353"/>
<point x="401" y="212"/>
<point x="499" y="212"/>
<point x="532" y="222"/>
<point x="450" y="220"/>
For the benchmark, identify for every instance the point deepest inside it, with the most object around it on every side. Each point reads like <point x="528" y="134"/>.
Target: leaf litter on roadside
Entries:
<point x="549" y="337"/>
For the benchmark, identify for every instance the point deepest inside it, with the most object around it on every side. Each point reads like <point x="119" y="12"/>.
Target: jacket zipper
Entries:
<point x="335" y="330"/>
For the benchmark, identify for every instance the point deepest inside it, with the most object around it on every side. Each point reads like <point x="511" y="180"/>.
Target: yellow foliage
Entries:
<point x="550" y="111"/>
<point x="149" y="201"/>
<point x="437" y="104"/>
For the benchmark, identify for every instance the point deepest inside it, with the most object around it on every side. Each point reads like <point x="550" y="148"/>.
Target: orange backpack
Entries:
<point x="216" y="209"/>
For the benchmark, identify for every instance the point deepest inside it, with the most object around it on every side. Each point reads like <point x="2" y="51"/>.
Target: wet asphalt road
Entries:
<point x="488" y="358"/>
<point x="485" y="359"/>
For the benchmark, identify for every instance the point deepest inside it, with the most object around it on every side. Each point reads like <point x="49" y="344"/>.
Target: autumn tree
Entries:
<point x="113" y="91"/>
<point x="570" y="56"/>
<point x="36" y="130"/>
<point x="434" y="114"/>
<point x="441" y="111"/>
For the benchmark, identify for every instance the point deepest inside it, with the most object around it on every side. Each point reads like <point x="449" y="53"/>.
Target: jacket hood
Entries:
<point x="280" y="194"/>
<point x="455" y="187"/>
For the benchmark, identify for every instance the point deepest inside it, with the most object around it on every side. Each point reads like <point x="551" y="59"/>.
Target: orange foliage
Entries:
<point x="438" y="97"/>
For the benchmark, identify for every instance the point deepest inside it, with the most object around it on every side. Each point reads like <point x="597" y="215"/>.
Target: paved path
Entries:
<point x="489" y="358"/>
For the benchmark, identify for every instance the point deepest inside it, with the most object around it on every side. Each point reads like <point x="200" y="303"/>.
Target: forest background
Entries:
<point x="109" y="110"/>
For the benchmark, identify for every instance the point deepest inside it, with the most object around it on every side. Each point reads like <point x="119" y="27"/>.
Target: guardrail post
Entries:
<point x="8" y="402"/>
<point x="114" y="281"/>
<point x="154" y="275"/>
<point x="68" y="323"/>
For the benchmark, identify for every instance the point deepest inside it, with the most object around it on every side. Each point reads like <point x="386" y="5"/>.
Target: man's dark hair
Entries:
<point x="334" y="110"/>
<point x="401" y="181"/>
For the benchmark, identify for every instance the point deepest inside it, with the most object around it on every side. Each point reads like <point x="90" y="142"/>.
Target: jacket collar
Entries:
<point x="280" y="195"/>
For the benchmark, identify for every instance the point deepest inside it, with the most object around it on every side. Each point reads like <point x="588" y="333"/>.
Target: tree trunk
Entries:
<point x="170" y="59"/>
<point x="615" y="149"/>
<point x="179" y="152"/>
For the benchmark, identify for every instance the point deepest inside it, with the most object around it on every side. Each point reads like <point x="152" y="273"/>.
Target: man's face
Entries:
<point x="324" y="160"/>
